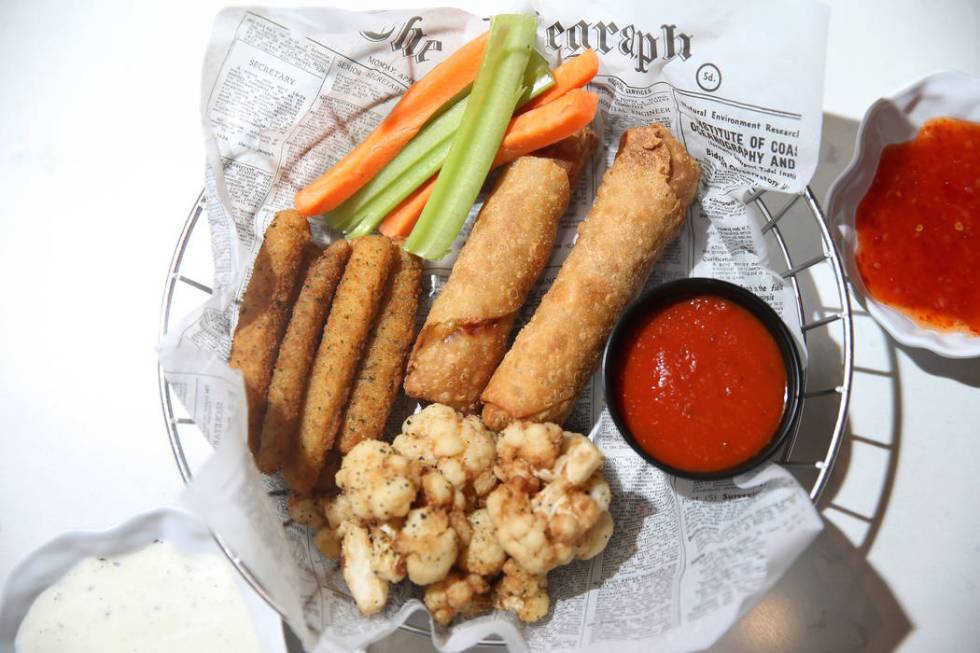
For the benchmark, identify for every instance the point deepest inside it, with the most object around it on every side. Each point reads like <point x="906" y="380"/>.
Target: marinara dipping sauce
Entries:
<point x="918" y="226"/>
<point x="698" y="382"/>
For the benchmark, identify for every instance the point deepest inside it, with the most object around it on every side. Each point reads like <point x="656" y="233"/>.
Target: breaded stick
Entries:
<point x="381" y="371"/>
<point x="465" y="334"/>
<point x="265" y="311"/>
<point x="638" y="210"/>
<point x="338" y="356"/>
<point x="288" y="387"/>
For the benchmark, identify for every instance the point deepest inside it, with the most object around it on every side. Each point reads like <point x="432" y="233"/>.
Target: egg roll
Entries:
<point x="465" y="334"/>
<point x="265" y="311"/>
<point x="639" y="208"/>
<point x="344" y="335"/>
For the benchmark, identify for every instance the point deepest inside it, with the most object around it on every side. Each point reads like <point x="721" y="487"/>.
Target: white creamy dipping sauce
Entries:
<point x="154" y="599"/>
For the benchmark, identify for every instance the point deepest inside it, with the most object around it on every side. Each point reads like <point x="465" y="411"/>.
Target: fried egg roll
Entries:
<point x="289" y="378"/>
<point x="380" y="374"/>
<point x="348" y="326"/>
<point x="639" y="208"/>
<point x="465" y="334"/>
<point x="265" y="311"/>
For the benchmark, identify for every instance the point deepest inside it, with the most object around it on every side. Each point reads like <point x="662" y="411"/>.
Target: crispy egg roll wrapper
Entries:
<point x="287" y="389"/>
<point x="265" y="310"/>
<point x="380" y="374"/>
<point x="465" y="334"/>
<point x="338" y="356"/>
<point x="639" y="208"/>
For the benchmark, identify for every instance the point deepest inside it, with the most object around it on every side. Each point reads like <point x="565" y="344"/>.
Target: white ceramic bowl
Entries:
<point x="46" y="565"/>
<point x="890" y="120"/>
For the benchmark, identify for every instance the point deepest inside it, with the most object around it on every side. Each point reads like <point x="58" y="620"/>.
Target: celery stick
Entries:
<point x="443" y="126"/>
<point x="364" y="211"/>
<point x="491" y="104"/>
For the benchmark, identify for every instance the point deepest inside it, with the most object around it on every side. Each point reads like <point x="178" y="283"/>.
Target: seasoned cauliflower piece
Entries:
<point x="428" y="543"/>
<point x="303" y="509"/>
<point x="594" y="540"/>
<point x="437" y="491"/>
<point x="540" y="530"/>
<point x="337" y="509"/>
<point x="379" y="483"/>
<point x="523" y="593"/>
<point x="370" y="591"/>
<point x="386" y="561"/>
<point x="481" y="553"/>
<point x="461" y="448"/>
<point x="525" y="449"/>
<point x="579" y="459"/>
<point x="466" y="594"/>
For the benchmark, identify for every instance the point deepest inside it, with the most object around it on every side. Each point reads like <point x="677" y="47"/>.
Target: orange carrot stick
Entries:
<point x="526" y="133"/>
<point x="420" y="102"/>
<point x="574" y="73"/>
<point x="399" y="223"/>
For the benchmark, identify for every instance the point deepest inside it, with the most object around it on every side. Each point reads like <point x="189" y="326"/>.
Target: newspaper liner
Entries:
<point x="286" y="93"/>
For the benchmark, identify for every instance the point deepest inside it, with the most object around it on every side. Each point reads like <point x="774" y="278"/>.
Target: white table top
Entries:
<point x="83" y="267"/>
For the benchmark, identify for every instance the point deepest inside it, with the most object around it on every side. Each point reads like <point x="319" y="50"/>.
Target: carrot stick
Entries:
<point x="574" y="73"/>
<point x="399" y="223"/>
<point x="420" y="102"/>
<point x="526" y="133"/>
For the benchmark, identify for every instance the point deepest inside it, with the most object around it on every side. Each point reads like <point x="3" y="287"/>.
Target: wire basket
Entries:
<point x="800" y="249"/>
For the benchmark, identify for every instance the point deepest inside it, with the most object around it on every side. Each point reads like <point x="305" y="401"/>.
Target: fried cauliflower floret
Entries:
<point x="428" y="543"/>
<point x="541" y="530"/>
<point x="386" y="561"/>
<point x="594" y="540"/>
<point x="461" y="448"/>
<point x="466" y="594"/>
<point x="481" y="553"/>
<point x="337" y="509"/>
<point x="304" y="509"/>
<point x="523" y="593"/>
<point x="437" y="491"/>
<point x="370" y="591"/>
<point x="525" y="449"/>
<point x="379" y="483"/>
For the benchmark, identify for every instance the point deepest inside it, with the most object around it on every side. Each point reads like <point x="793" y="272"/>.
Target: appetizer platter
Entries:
<point x="413" y="341"/>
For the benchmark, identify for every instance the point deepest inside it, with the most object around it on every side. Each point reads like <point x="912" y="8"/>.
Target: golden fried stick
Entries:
<point x="347" y="329"/>
<point x="638" y="210"/>
<point x="465" y="334"/>
<point x="381" y="370"/>
<point x="289" y="378"/>
<point x="265" y="311"/>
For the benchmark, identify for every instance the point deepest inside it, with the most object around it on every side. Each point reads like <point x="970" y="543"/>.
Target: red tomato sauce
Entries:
<point x="917" y="227"/>
<point x="702" y="384"/>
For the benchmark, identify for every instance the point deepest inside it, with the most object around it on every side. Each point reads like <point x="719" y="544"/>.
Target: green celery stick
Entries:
<point x="431" y="136"/>
<point x="363" y="212"/>
<point x="491" y="104"/>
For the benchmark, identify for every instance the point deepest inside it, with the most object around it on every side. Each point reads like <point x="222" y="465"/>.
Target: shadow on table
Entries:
<point x="832" y="599"/>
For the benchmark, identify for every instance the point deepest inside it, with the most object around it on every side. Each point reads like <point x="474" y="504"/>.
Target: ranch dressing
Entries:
<point x="153" y="600"/>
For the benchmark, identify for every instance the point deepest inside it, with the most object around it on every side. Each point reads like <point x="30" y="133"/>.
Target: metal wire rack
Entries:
<point x="801" y="249"/>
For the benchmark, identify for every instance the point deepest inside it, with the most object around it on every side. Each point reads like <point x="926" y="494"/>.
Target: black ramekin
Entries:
<point x="684" y="289"/>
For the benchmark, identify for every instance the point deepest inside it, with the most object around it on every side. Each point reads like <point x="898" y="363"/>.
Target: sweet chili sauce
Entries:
<point x="702" y="384"/>
<point x="918" y="224"/>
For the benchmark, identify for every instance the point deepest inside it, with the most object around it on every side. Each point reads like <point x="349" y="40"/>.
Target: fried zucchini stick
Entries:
<point x="265" y="311"/>
<point x="465" y="334"/>
<point x="381" y="370"/>
<point x="347" y="329"/>
<point x="289" y="378"/>
<point x="638" y="210"/>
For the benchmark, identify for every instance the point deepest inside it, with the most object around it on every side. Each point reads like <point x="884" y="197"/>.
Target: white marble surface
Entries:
<point x="101" y="158"/>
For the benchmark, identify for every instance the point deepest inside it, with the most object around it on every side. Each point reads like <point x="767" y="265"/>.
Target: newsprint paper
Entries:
<point x="287" y="92"/>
